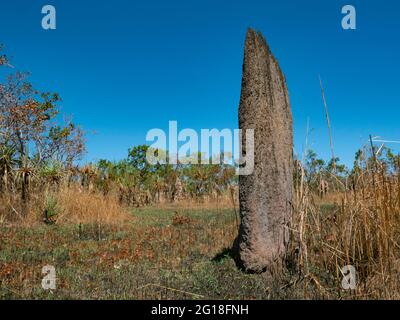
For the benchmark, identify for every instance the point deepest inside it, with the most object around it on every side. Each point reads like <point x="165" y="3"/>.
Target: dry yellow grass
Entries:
<point x="70" y="205"/>
<point x="79" y="206"/>
<point x="359" y="227"/>
<point x="222" y="202"/>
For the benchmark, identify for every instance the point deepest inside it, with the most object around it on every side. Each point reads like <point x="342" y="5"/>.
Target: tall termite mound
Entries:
<point x="266" y="194"/>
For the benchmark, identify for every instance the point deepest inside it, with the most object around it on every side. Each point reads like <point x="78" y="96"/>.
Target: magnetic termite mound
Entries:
<point x="266" y="194"/>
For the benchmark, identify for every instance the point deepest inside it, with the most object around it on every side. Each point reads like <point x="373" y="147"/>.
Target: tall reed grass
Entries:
<point x="357" y="226"/>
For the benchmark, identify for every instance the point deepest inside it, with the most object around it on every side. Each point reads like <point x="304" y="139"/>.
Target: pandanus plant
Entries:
<point x="7" y="162"/>
<point x="24" y="175"/>
<point x="52" y="172"/>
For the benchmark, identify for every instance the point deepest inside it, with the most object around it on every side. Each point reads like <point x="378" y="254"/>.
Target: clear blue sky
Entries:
<point x="124" y="67"/>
